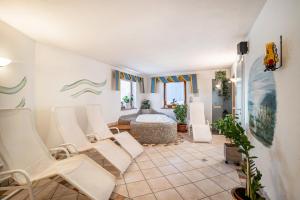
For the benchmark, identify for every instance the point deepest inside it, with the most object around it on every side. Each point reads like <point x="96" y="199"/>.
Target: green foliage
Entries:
<point x="145" y="104"/>
<point x="220" y="76"/>
<point x="126" y="99"/>
<point x="236" y="133"/>
<point x="181" y="113"/>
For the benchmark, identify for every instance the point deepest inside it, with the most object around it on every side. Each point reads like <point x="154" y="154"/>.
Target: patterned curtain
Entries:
<point x="192" y="78"/>
<point x="124" y="76"/>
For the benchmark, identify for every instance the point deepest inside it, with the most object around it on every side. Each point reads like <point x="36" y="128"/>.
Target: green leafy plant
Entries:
<point x="126" y="99"/>
<point x="145" y="104"/>
<point x="181" y="113"/>
<point x="231" y="129"/>
<point x="224" y="91"/>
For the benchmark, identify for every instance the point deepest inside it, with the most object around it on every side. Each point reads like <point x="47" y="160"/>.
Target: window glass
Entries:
<point x="175" y="92"/>
<point x="128" y="91"/>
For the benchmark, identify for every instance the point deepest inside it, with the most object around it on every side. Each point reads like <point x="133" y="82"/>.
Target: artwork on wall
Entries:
<point x="14" y="89"/>
<point x="262" y="103"/>
<point x="76" y="84"/>
<point x="22" y="103"/>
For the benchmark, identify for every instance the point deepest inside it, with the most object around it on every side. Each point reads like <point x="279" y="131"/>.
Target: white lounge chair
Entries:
<point x="71" y="133"/>
<point x="27" y="159"/>
<point x="98" y="127"/>
<point x="199" y="127"/>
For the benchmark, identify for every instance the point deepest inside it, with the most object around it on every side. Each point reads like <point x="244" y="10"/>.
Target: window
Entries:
<point x="174" y="92"/>
<point x="128" y="94"/>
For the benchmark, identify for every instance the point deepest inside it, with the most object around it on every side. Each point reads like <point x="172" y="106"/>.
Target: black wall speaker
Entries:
<point x="242" y="48"/>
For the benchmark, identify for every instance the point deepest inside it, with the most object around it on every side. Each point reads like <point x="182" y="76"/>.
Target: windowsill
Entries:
<point x="126" y="109"/>
<point x="167" y="108"/>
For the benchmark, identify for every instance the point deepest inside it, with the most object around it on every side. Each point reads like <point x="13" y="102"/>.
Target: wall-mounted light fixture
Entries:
<point x="4" y="61"/>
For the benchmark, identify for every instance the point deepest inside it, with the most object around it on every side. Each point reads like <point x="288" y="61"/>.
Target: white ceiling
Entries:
<point x="149" y="36"/>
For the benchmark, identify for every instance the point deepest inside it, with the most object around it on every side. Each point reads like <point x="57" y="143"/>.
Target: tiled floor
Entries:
<point x="188" y="171"/>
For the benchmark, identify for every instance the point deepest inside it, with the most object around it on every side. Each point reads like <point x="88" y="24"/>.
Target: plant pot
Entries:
<point x="232" y="154"/>
<point x="238" y="193"/>
<point x="182" y="128"/>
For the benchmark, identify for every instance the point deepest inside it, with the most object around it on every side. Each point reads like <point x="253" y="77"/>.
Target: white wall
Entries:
<point x="20" y="49"/>
<point x="55" y="68"/>
<point x="280" y="164"/>
<point x="204" y="81"/>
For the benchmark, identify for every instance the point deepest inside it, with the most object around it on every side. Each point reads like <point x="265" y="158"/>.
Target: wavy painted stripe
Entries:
<point x="22" y="103"/>
<point x="80" y="82"/>
<point x="86" y="90"/>
<point x="15" y="89"/>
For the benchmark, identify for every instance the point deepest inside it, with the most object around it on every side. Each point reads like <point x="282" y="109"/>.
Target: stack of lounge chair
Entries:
<point x="27" y="159"/>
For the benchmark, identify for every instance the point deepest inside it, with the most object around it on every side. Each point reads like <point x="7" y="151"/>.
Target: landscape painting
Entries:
<point x="262" y="103"/>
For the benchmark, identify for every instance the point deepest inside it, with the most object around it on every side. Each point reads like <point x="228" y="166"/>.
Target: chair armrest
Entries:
<point x="68" y="145"/>
<point x="28" y="185"/>
<point x="57" y="149"/>
<point x="115" y="128"/>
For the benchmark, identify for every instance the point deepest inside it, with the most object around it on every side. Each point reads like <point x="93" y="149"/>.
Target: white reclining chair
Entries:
<point x="72" y="135"/>
<point x="199" y="127"/>
<point x="100" y="130"/>
<point x="27" y="159"/>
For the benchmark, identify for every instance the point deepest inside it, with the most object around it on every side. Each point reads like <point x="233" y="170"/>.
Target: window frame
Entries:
<point x="165" y="93"/>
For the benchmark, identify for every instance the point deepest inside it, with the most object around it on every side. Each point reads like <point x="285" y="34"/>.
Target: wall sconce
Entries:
<point x="4" y="61"/>
<point x="272" y="58"/>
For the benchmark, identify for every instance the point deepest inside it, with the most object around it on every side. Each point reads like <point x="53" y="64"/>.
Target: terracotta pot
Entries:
<point x="238" y="193"/>
<point x="232" y="154"/>
<point x="182" y="128"/>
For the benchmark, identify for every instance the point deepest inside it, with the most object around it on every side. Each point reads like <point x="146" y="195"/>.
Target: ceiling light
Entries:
<point x="4" y="61"/>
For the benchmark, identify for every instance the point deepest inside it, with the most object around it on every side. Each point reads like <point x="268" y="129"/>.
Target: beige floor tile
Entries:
<point x="142" y="157"/>
<point x="197" y="163"/>
<point x="209" y="171"/>
<point x="234" y="176"/>
<point x="145" y="197"/>
<point x="221" y="196"/>
<point x="158" y="184"/>
<point x="168" y="154"/>
<point x="120" y="181"/>
<point x="159" y="162"/>
<point x="121" y="190"/>
<point x="146" y="164"/>
<point x="134" y="176"/>
<point x="208" y="187"/>
<point x="170" y="194"/>
<point x="190" y="192"/>
<point x="183" y="166"/>
<point x="151" y="173"/>
<point x="187" y="157"/>
<point x="133" y="167"/>
<point x="174" y="159"/>
<point x="225" y="182"/>
<point x="177" y="179"/>
<point x="168" y="169"/>
<point x="138" y="189"/>
<point x="194" y="175"/>
<point x="223" y="168"/>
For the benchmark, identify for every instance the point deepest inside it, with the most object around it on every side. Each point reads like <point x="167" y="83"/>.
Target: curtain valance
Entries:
<point x="129" y="77"/>
<point x="192" y="78"/>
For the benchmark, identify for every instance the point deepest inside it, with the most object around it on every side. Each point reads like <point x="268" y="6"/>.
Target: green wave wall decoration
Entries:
<point x="15" y="89"/>
<point x="22" y="103"/>
<point x="86" y="90"/>
<point x="80" y="82"/>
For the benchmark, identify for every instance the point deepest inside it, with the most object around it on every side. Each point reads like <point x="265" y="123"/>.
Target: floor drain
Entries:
<point x="204" y="159"/>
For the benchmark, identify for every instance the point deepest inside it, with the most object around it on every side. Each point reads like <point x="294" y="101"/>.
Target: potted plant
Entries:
<point x="126" y="100"/>
<point x="145" y="107"/>
<point x="236" y="133"/>
<point x="181" y="114"/>
<point x="226" y="127"/>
